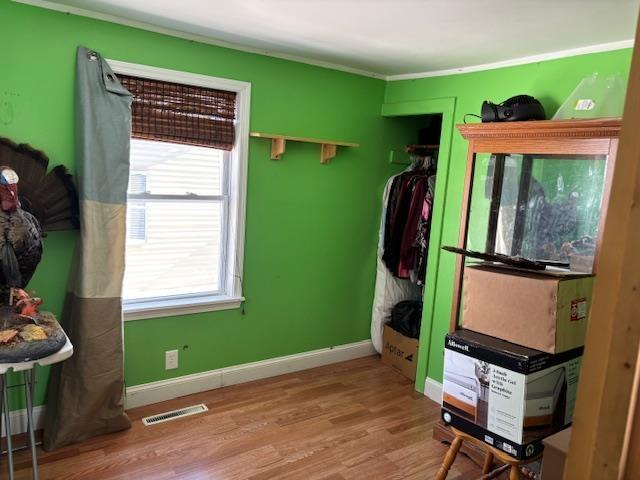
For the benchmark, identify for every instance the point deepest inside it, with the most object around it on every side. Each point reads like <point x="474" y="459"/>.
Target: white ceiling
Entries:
<point x="387" y="37"/>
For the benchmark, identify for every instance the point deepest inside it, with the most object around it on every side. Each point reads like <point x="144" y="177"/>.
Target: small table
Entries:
<point x="28" y="372"/>
<point x="513" y="464"/>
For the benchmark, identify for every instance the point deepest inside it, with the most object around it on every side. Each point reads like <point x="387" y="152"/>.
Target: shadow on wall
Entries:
<point x="551" y="106"/>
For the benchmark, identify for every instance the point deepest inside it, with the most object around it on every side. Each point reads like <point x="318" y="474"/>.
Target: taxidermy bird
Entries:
<point x="32" y="202"/>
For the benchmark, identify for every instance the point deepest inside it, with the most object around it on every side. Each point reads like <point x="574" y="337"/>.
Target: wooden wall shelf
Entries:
<point x="279" y="142"/>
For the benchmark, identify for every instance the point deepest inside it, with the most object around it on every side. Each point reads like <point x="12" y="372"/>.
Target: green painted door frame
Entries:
<point x="446" y="107"/>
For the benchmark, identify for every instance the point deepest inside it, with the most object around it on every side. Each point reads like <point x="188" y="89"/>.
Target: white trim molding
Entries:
<point x="604" y="47"/>
<point x="433" y="390"/>
<point x="82" y="12"/>
<point x="573" y="52"/>
<point x="173" y="307"/>
<point x="154" y="392"/>
<point x="19" y="420"/>
<point x="186" y="78"/>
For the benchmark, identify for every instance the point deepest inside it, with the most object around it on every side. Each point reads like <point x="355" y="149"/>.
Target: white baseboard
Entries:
<point x="162" y="390"/>
<point x="433" y="390"/>
<point x="19" y="420"/>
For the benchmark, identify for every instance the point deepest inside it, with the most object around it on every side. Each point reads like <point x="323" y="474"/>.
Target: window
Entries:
<point x="136" y="213"/>
<point x="136" y="222"/>
<point x="137" y="182"/>
<point x="187" y="182"/>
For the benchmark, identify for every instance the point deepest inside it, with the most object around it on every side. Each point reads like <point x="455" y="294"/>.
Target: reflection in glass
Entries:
<point x="540" y="207"/>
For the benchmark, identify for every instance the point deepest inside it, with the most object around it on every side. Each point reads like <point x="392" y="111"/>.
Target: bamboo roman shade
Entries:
<point x="171" y="112"/>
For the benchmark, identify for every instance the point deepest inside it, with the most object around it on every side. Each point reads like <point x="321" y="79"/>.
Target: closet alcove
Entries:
<point x="413" y="150"/>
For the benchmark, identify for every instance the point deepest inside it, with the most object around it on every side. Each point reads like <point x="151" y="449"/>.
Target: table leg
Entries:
<point x="7" y="424"/>
<point x="29" y="381"/>
<point x="488" y="462"/>
<point x="449" y="458"/>
<point x="514" y="474"/>
<point x="495" y="473"/>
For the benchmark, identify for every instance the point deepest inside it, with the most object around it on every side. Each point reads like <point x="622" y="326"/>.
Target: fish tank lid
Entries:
<point x="583" y="128"/>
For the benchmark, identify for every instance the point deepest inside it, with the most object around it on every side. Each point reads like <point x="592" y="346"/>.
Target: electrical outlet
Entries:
<point x="170" y="359"/>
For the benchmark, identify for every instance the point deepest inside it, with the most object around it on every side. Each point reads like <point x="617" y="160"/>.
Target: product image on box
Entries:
<point x="461" y="388"/>
<point x="546" y="399"/>
<point x="465" y="386"/>
<point x="507" y="395"/>
<point x="461" y="393"/>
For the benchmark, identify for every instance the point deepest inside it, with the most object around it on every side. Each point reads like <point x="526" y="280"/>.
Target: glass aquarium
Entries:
<point x="540" y="207"/>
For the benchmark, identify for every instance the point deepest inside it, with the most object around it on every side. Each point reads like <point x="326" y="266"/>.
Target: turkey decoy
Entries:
<point x="45" y="201"/>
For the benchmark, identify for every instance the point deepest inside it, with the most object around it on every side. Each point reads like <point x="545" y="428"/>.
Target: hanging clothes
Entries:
<point x="422" y="236"/>
<point x="408" y="221"/>
<point x="402" y="242"/>
<point x="389" y="290"/>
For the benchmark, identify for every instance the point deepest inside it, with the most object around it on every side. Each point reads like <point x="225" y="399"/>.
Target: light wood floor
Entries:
<point x="352" y="420"/>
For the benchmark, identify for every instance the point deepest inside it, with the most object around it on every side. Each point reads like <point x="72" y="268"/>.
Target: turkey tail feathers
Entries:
<point x="51" y="197"/>
<point x="58" y="198"/>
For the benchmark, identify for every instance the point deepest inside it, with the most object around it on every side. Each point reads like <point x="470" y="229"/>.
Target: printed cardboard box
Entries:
<point x="507" y="395"/>
<point x="546" y="311"/>
<point x="400" y="352"/>
<point x="556" y="448"/>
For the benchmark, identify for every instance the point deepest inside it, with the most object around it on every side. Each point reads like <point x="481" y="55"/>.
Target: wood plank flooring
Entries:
<point x="348" y="421"/>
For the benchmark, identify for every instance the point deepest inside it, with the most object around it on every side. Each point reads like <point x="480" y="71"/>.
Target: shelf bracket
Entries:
<point x="278" y="145"/>
<point x="327" y="153"/>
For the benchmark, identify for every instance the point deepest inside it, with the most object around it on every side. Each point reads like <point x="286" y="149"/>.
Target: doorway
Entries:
<point x="404" y="122"/>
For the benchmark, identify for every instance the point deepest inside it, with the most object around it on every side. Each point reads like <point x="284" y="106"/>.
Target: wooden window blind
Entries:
<point x="186" y="114"/>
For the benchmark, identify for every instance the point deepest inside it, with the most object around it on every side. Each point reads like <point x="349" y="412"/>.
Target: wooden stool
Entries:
<point x="492" y="453"/>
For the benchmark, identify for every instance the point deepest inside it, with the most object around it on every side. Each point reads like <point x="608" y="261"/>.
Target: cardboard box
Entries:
<point x="507" y="395"/>
<point x="546" y="311"/>
<point x="556" y="448"/>
<point x="400" y="352"/>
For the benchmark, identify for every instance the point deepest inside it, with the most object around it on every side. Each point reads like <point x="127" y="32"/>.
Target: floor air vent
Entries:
<point x="174" y="414"/>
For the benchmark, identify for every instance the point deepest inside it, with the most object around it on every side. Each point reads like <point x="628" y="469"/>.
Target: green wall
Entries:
<point x="311" y="229"/>
<point x="551" y="82"/>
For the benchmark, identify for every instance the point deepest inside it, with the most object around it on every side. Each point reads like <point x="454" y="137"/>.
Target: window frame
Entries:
<point x="233" y="215"/>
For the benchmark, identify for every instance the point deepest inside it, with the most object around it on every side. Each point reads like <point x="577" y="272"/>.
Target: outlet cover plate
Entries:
<point x="170" y="359"/>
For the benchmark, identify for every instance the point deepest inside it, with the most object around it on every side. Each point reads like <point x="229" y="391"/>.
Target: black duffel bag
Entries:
<point x="406" y="318"/>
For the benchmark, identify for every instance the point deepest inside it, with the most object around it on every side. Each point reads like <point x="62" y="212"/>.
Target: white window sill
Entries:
<point x="173" y="307"/>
